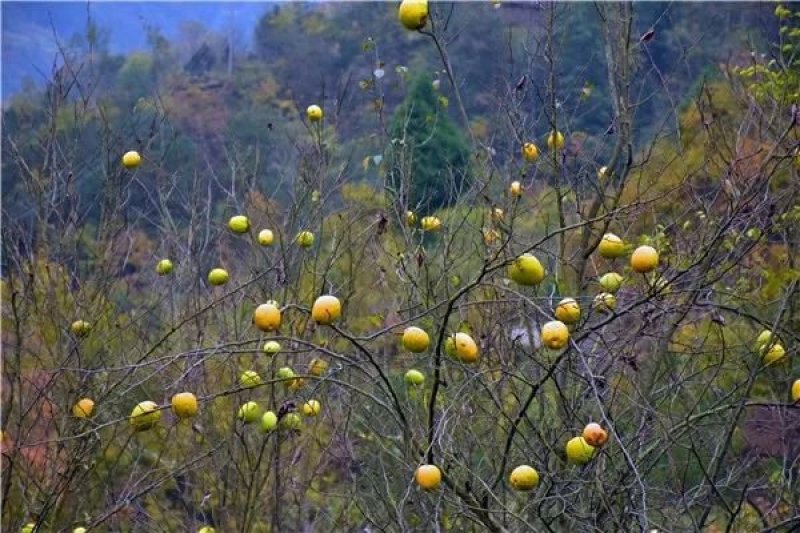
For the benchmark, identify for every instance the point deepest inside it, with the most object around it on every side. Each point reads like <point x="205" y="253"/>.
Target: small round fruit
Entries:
<point x="595" y="435"/>
<point x="773" y="355"/>
<point x="326" y="310"/>
<point x="526" y="270"/>
<point x="431" y="223"/>
<point x="144" y="416"/>
<point x="415" y="377"/>
<point x="267" y="317"/>
<point x="428" y="477"/>
<point x="568" y="311"/>
<point x="764" y="338"/>
<point x="30" y="527"/>
<point x="466" y="349"/>
<point x="579" y="451"/>
<point x="304" y="239"/>
<point x="249" y="412"/>
<point x="217" y="277"/>
<point x="285" y="374"/>
<point x="79" y="530"/>
<point x="413" y="14"/>
<point x="184" y="405"/>
<point x="317" y="367"/>
<point x="314" y="113"/>
<point x="530" y="152"/>
<point x="239" y="224"/>
<point x="312" y="408"/>
<point x="265" y="237"/>
<point x="605" y="302"/>
<point x="611" y="246"/>
<point x="611" y="282"/>
<point x="555" y="141"/>
<point x="131" y="159"/>
<point x="249" y="379"/>
<point x="524" y="477"/>
<point x="515" y="190"/>
<point x="271" y="347"/>
<point x="411" y="219"/>
<point x="291" y="421"/>
<point x="796" y="391"/>
<point x="164" y="267"/>
<point x="80" y="328"/>
<point x="415" y="339"/>
<point x="84" y="408"/>
<point x="490" y="235"/>
<point x="644" y="259"/>
<point x="555" y="335"/>
<point x="269" y="421"/>
<point x="206" y="529"/>
<point x="297" y="384"/>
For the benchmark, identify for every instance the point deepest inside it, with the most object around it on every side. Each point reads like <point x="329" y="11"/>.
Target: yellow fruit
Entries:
<point x="79" y="530"/>
<point x="304" y="239"/>
<point x="415" y="377"/>
<point x="184" y="405"/>
<point x="415" y="339"/>
<point x="490" y="235"/>
<point x="269" y="421"/>
<point x="239" y="224"/>
<point x="314" y="113"/>
<point x="206" y="529"/>
<point x="568" y="311"/>
<point x="644" y="259"/>
<point x="555" y="335"/>
<point x="428" y="477"/>
<point x="271" y="347"/>
<point x="497" y="214"/>
<point x="297" y="384"/>
<point x="775" y="354"/>
<point x="317" y="367"/>
<point x="611" y="282"/>
<point x="164" y="267"/>
<point x="579" y="451"/>
<point x="326" y="310"/>
<point x="515" y="190"/>
<point x="530" y="152"/>
<point x="466" y="349"/>
<point x="555" y="141"/>
<point x="431" y="224"/>
<point x="411" y="218"/>
<point x="30" y="527"/>
<point x="249" y="379"/>
<point x="131" y="159"/>
<point x="413" y="14"/>
<point x="526" y="270"/>
<point x="84" y="408"/>
<point x="265" y="237"/>
<point x="594" y="434"/>
<point x="80" y="328"/>
<point x="312" y="408"/>
<point x="249" y="412"/>
<point x="764" y="338"/>
<point x="218" y="277"/>
<point x="611" y="246"/>
<point x="605" y="302"/>
<point x="144" y="416"/>
<point x="267" y="317"/>
<point x="524" y="477"/>
<point x="796" y="391"/>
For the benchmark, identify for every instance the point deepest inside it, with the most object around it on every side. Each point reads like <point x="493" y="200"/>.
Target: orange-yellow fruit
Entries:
<point x="413" y="14"/>
<point x="594" y="434"/>
<point x="431" y="223"/>
<point x="555" y="141"/>
<point x="131" y="159"/>
<point x="524" y="477"/>
<point x="773" y="355"/>
<point x="314" y="113"/>
<point x="530" y="152"/>
<point x="326" y="310"/>
<point x="267" y="317"/>
<point x="466" y="349"/>
<point x="611" y="246"/>
<point x="568" y="311"/>
<point x="317" y="367"/>
<point x="428" y="477"/>
<point x="555" y="335"/>
<point x="415" y="339"/>
<point x="644" y="259"/>
<point x="515" y="189"/>
<point x="184" y="405"/>
<point x="84" y="408"/>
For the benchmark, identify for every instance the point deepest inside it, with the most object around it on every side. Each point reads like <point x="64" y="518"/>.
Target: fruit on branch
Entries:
<point x="317" y="367"/>
<point x="269" y="421"/>
<point x="605" y="302"/>
<point x="206" y="529"/>
<point x="267" y="317"/>
<point x="515" y="190"/>
<point x="579" y="451"/>
<point x="79" y="530"/>
<point x="80" y="328"/>
<point x="602" y="173"/>
<point x="411" y="219"/>
<point x="524" y="478"/>
<point x="763" y="339"/>
<point x="413" y="14"/>
<point x="530" y="152"/>
<point x="415" y="339"/>
<point x="314" y="113"/>
<point x="568" y="311"/>
<point x="490" y="235"/>
<point x="217" y="277"/>
<point x="772" y="355"/>
<point x="249" y="412"/>
<point x="326" y="310"/>
<point x="555" y="335"/>
<point x="265" y="237"/>
<point x="611" y="246"/>
<point x="184" y="405"/>
<point x="466" y="349"/>
<point x="555" y="141"/>
<point x="249" y="379"/>
<point x="131" y="159"/>
<point x="285" y="374"/>
<point x="239" y="224"/>
<point x="30" y="527"/>
<point x="611" y="282"/>
<point x="164" y="267"/>
<point x="291" y="421"/>
<point x="526" y="270"/>
<point x="144" y="416"/>
<point x="431" y="223"/>
<point x="497" y="214"/>
<point x="428" y="477"/>
<point x="415" y="377"/>
<point x="644" y="259"/>
<point x="271" y="347"/>
<point x="312" y="408"/>
<point x="796" y="391"/>
<point x="594" y="434"/>
<point x="83" y="408"/>
<point x="304" y="239"/>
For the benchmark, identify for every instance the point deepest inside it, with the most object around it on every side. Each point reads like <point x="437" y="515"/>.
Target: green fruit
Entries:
<point x="272" y="347"/>
<point x="291" y="421"/>
<point x="249" y="379"/>
<point x="579" y="451"/>
<point x="611" y="282"/>
<point x="285" y="374"/>
<point x="415" y="377"/>
<point x="269" y="421"/>
<point x="304" y="239"/>
<point x="218" y="277"/>
<point x="526" y="270"/>
<point x="249" y="412"/>
<point x="164" y="267"/>
<point x="239" y="224"/>
<point x="81" y="328"/>
<point x="144" y="416"/>
<point x="764" y="338"/>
